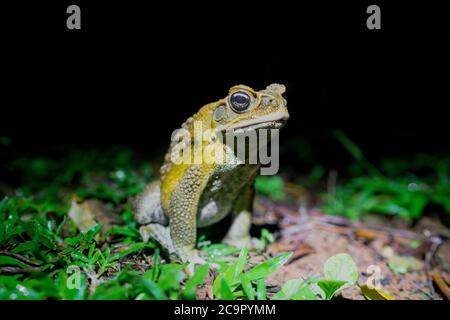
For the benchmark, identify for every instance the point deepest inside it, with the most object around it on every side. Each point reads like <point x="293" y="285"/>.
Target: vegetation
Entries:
<point x="44" y="255"/>
<point x="401" y="187"/>
<point x="396" y="187"/>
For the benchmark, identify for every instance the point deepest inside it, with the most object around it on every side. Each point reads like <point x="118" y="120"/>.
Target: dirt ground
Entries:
<point x="378" y="243"/>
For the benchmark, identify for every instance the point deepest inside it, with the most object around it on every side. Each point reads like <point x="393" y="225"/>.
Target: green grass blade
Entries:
<point x="261" y="289"/>
<point x="247" y="287"/>
<point x="267" y="267"/>
<point x="196" y="280"/>
<point x="233" y="273"/>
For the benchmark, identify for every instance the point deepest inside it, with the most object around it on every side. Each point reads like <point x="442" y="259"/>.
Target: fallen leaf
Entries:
<point x="373" y="293"/>
<point x="81" y="214"/>
<point x="399" y="264"/>
<point x="86" y="214"/>
<point x="301" y="251"/>
<point x="366" y="234"/>
<point x="402" y="265"/>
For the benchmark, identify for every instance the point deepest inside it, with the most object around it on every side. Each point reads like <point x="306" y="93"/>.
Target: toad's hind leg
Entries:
<point x="239" y="233"/>
<point x="147" y="206"/>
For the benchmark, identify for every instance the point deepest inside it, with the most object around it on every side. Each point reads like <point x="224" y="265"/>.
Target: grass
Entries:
<point x="397" y="187"/>
<point x="43" y="255"/>
<point x="44" y="258"/>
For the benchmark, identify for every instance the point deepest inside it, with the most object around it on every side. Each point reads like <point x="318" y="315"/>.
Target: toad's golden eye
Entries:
<point x="240" y="101"/>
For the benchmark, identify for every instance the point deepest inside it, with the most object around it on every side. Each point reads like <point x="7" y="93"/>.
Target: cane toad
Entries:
<point x="200" y="193"/>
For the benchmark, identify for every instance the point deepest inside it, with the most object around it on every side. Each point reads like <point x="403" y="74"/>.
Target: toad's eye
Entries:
<point x="240" y="101"/>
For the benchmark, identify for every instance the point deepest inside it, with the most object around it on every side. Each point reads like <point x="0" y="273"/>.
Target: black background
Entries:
<point x="165" y="309"/>
<point x="136" y="71"/>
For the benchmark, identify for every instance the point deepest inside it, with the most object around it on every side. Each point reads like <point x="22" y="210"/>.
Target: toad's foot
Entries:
<point x="161" y="234"/>
<point x="192" y="256"/>
<point x="239" y="233"/>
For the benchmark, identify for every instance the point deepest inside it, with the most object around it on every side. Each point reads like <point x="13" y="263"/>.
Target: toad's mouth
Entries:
<point x="277" y="124"/>
<point x="272" y="121"/>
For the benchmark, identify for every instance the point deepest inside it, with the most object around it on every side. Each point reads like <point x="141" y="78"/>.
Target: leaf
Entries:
<point x="261" y="289"/>
<point x="72" y="241"/>
<point x="153" y="289"/>
<point x="289" y="288"/>
<point x="233" y="273"/>
<point x="356" y="153"/>
<point x="10" y="261"/>
<point x="196" y="280"/>
<point x="373" y="293"/>
<point x="247" y="287"/>
<point x="220" y="250"/>
<point x="267" y="267"/>
<point x="265" y="239"/>
<point x="295" y="289"/>
<point x="125" y="231"/>
<point x="304" y="294"/>
<point x="270" y="186"/>
<point x="61" y="226"/>
<point x="131" y="249"/>
<point x="225" y="291"/>
<point x="111" y="290"/>
<point x="221" y="289"/>
<point x="24" y="246"/>
<point x="37" y="230"/>
<point x="92" y="232"/>
<point x="402" y="265"/>
<point x="171" y="276"/>
<point x="79" y="256"/>
<point x="91" y="250"/>
<point x="155" y="269"/>
<point x="71" y="293"/>
<point x="330" y="287"/>
<point x="82" y="215"/>
<point x="341" y="267"/>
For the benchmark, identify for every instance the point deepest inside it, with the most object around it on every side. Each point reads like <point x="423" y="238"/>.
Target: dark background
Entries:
<point x="136" y="71"/>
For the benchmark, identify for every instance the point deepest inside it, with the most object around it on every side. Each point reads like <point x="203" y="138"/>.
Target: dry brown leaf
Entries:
<point x="86" y="214"/>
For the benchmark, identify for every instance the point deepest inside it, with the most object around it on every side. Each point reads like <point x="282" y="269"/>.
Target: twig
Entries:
<point x="441" y="285"/>
<point x="20" y="258"/>
<point x="435" y="242"/>
<point x="292" y="217"/>
<point x="17" y="270"/>
<point x="423" y="291"/>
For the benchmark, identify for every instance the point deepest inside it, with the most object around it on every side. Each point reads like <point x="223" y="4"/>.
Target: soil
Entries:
<point x="314" y="237"/>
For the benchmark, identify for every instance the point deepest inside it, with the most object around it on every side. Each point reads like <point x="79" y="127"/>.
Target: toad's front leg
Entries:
<point x="183" y="216"/>
<point x="184" y="235"/>
<point x="161" y="234"/>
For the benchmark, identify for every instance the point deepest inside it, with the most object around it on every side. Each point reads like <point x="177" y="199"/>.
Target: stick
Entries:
<point x="20" y="258"/>
<point x="441" y="285"/>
